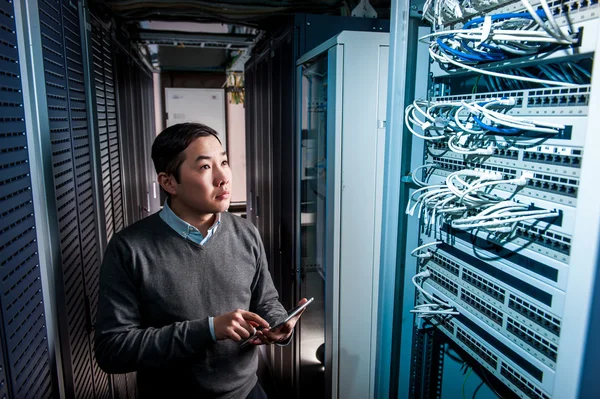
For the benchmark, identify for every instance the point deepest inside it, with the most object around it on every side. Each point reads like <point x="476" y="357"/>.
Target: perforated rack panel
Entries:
<point x="24" y="360"/>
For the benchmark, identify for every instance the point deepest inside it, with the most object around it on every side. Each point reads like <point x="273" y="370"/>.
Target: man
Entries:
<point x="181" y="288"/>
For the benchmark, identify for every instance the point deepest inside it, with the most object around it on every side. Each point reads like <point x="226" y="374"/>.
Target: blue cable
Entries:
<point x="497" y="17"/>
<point x="507" y="131"/>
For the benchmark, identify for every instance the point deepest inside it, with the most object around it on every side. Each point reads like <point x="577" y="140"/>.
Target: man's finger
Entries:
<point x="249" y="316"/>
<point x="264" y="338"/>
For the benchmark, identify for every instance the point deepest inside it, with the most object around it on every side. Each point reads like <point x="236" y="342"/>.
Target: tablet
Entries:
<point x="290" y="314"/>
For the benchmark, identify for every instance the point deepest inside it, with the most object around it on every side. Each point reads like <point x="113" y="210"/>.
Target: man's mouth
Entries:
<point x="223" y="195"/>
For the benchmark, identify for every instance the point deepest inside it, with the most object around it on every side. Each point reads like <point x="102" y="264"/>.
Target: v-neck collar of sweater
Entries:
<point x="204" y="246"/>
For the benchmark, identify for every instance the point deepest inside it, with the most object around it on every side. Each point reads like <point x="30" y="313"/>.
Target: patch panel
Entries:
<point x="533" y="237"/>
<point x="572" y="101"/>
<point x="446" y="263"/>
<point x="489" y="347"/>
<point x="488" y="312"/>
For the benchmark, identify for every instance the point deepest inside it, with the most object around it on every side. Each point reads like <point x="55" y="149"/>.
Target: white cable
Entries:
<point x="426" y="254"/>
<point x="416" y="180"/>
<point x="427" y="274"/>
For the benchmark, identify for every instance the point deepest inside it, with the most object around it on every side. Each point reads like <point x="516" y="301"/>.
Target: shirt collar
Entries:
<point x="182" y="227"/>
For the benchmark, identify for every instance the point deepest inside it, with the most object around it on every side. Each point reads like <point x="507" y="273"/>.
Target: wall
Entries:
<point x="236" y="123"/>
<point x="236" y="142"/>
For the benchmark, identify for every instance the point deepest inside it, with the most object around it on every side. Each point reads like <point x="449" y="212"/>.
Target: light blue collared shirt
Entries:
<point x="191" y="233"/>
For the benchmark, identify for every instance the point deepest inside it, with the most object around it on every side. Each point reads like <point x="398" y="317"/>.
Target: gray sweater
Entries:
<point x="157" y="291"/>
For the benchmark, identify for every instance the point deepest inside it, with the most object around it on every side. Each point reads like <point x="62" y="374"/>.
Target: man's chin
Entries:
<point x="222" y="207"/>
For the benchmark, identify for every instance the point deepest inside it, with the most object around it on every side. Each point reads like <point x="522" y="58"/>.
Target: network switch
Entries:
<point x="520" y="299"/>
<point x="560" y="161"/>
<point x="563" y="101"/>
<point x="490" y="312"/>
<point x="493" y="350"/>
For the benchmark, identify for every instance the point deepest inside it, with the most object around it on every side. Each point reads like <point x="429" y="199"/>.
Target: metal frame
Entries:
<point x="386" y="383"/>
<point x="585" y="253"/>
<point x="335" y="59"/>
<point x="226" y="41"/>
<point x="40" y="159"/>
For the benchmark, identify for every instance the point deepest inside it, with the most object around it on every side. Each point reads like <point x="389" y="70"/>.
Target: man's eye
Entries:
<point x="205" y="167"/>
<point x="226" y="163"/>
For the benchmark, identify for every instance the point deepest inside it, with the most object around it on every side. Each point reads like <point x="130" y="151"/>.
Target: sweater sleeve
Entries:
<point x="121" y="343"/>
<point x="265" y="299"/>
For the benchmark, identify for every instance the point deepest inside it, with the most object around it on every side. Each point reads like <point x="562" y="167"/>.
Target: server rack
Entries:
<point x="521" y="294"/>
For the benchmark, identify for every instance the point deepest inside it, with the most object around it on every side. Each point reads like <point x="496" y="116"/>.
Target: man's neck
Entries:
<point x="201" y="221"/>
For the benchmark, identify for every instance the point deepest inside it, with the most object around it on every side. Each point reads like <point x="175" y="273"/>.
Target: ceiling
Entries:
<point x="204" y="35"/>
<point x="260" y="14"/>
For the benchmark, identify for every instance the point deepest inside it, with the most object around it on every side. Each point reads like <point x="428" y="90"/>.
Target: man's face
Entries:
<point x="204" y="177"/>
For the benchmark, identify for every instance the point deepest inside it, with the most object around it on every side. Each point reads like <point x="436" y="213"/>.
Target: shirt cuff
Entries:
<point x="211" y="326"/>
<point x="287" y="341"/>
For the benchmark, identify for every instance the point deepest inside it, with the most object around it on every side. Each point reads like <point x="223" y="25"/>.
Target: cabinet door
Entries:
<point x="314" y="179"/>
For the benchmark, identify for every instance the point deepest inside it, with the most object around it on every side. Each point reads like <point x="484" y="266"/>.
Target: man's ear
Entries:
<point x="168" y="183"/>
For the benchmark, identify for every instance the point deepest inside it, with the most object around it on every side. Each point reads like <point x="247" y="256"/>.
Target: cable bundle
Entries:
<point x="471" y="127"/>
<point x="499" y="37"/>
<point x="578" y="73"/>
<point x="466" y="202"/>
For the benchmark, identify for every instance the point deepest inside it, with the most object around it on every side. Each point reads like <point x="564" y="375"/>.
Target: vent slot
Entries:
<point x="534" y="314"/>
<point x="534" y="340"/>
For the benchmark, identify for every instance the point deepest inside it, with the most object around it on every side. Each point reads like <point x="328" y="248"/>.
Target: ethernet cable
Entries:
<point x="503" y="217"/>
<point x="497" y="37"/>
<point x="424" y="255"/>
<point x="467" y="201"/>
<point x="439" y="307"/>
<point x="471" y="128"/>
<point x="414" y="177"/>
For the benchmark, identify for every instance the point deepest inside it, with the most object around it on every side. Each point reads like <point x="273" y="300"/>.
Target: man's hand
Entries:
<point x="237" y="325"/>
<point x="266" y="336"/>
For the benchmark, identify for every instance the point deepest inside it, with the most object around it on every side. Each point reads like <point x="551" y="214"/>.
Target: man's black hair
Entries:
<point x="168" y="147"/>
